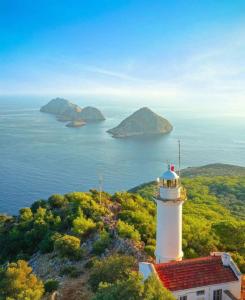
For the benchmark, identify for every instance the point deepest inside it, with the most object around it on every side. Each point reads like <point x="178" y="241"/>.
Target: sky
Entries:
<point x="165" y="49"/>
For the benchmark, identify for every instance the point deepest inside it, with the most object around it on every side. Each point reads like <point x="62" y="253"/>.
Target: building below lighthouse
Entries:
<point x="215" y="277"/>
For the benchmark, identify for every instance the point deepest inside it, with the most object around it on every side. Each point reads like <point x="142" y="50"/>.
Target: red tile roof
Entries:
<point x="191" y="273"/>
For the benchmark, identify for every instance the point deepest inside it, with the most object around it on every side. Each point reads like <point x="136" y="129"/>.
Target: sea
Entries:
<point x="40" y="156"/>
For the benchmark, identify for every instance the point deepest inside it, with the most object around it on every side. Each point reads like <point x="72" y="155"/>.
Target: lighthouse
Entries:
<point x="211" y="277"/>
<point x="169" y="201"/>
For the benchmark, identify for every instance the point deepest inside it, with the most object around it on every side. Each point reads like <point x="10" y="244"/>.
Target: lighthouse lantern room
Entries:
<point x="169" y="201"/>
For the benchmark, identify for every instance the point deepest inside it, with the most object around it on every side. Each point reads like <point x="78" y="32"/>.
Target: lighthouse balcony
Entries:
<point x="177" y="194"/>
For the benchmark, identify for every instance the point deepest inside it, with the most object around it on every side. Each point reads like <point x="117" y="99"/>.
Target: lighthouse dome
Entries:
<point x="169" y="175"/>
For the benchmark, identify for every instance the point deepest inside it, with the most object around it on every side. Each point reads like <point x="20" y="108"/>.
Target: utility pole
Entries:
<point x="100" y="186"/>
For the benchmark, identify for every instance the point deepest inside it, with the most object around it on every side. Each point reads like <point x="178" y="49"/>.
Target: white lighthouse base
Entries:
<point x="169" y="231"/>
<point x="160" y="259"/>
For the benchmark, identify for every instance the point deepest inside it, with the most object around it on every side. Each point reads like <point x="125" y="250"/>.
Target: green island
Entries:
<point x="87" y="245"/>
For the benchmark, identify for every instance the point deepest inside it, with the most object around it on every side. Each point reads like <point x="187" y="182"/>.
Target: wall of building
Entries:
<point x="233" y="287"/>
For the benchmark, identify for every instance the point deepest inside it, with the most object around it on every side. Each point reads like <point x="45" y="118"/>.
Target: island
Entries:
<point x="91" y="114"/>
<point x="63" y="109"/>
<point x="141" y="123"/>
<point x="66" y="111"/>
<point x="78" y="123"/>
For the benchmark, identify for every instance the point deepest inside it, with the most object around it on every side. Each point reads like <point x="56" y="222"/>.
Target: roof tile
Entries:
<point x="191" y="273"/>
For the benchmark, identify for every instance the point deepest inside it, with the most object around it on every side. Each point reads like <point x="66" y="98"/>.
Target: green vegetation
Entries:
<point x="113" y="279"/>
<point x="68" y="246"/>
<point x="213" y="216"/>
<point x="102" y="242"/>
<point x="127" y="231"/>
<point x="18" y="283"/>
<point x="70" y="271"/>
<point x="85" y="226"/>
<point x="115" y="267"/>
<point x="51" y="285"/>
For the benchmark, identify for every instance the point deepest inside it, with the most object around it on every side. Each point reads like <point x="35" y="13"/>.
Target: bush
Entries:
<point x="83" y="226"/>
<point x="130" y="288"/>
<point x="57" y="201"/>
<point x="127" y="231"/>
<point x="26" y="214"/>
<point x="68" y="246"/>
<point x="18" y="282"/>
<point x="51" y="285"/>
<point x="47" y="244"/>
<point x="37" y="204"/>
<point x="133" y="288"/>
<point x="111" y="269"/>
<point x="154" y="290"/>
<point x="150" y="250"/>
<point x="90" y="263"/>
<point x="102" y="243"/>
<point x="70" y="271"/>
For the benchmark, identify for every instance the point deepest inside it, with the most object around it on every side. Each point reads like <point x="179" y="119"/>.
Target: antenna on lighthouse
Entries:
<point x="179" y="156"/>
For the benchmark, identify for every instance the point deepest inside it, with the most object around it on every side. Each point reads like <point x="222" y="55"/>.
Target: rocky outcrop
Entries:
<point x="143" y="122"/>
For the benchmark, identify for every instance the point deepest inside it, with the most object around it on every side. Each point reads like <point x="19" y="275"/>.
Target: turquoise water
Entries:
<point x="40" y="156"/>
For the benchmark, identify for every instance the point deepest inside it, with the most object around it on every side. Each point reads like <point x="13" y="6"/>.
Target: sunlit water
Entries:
<point x="40" y="156"/>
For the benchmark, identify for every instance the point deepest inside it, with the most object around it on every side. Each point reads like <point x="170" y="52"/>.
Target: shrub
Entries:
<point x="51" y="285"/>
<point x="150" y="250"/>
<point x="102" y="243"/>
<point x="18" y="282"/>
<point x="70" y="271"/>
<point x="83" y="226"/>
<point x="57" y="201"/>
<point x="90" y="263"/>
<point x="26" y="214"/>
<point x="47" y="244"/>
<point x="68" y="246"/>
<point x="127" y="231"/>
<point x="154" y="290"/>
<point x="130" y="288"/>
<point x="111" y="269"/>
<point x="37" y="204"/>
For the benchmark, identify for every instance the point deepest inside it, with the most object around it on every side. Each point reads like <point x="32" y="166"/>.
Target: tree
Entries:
<point x="51" y="285"/>
<point x="129" y="289"/>
<point x="68" y="246"/>
<point x="111" y="269"/>
<point x="102" y="243"/>
<point x="126" y="230"/>
<point x="26" y="214"/>
<point x="83" y="226"/>
<point x="154" y="290"/>
<point x="133" y="288"/>
<point x="57" y="201"/>
<point x="19" y="283"/>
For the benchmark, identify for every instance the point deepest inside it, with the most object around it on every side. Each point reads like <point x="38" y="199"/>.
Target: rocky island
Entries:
<point x="76" y="123"/>
<point x="66" y="111"/>
<point x="142" y="122"/>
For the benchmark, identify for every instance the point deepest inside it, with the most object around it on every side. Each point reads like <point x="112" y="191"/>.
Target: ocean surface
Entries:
<point x="40" y="156"/>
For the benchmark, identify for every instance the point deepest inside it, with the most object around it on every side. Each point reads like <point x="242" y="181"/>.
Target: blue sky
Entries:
<point x="185" y="49"/>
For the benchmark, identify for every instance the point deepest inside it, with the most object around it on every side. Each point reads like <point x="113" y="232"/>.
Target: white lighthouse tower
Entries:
<point x="169" y="217"/>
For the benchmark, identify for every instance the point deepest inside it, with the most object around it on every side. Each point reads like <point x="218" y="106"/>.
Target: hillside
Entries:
<point x="214" y="170"/>
<point x="75" y="235"/>
<point x="225" y="181"/>
<point x="142" y="122"/>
